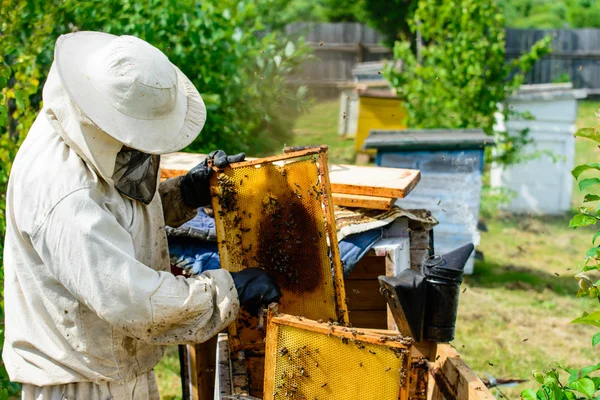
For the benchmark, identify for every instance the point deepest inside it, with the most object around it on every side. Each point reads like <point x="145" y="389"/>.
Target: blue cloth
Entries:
<point x="193" y="246"/>
<point x="201" y="227"/>
<point x="354" y="247"/>
<point x="193" y="255"/>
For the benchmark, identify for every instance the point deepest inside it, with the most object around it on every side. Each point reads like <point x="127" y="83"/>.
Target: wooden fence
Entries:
<point x="575" y="55"/>
<point x="339" y="46"/>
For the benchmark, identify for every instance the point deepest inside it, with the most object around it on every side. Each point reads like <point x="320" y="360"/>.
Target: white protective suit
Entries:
<point x="88" y="296"/>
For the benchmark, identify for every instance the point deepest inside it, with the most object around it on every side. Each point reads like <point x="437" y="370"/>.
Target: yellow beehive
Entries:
<point x="378" y="110"/>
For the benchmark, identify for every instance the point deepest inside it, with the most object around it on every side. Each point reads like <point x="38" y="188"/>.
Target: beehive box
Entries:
<point x="435" y="371"/>
<point x="378" y="110"/>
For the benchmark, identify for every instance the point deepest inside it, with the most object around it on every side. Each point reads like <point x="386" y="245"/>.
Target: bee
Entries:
<point x="355" y="291"/>
<point x="323" y="385"/>
<point x="526" y="339"/>
<point x="439" y="202"/>
<point x="464" y="290"/>
<point x="387" y="369"/>
<point x="490" y="364"/>
<point x="443" y="158"/>
<point x="372" y="352"/>
<point x="283" y="351"/>
<point x="321" y="44"/>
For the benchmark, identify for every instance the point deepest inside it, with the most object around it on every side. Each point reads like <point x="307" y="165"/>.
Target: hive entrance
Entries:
<point x="276" y="214"/>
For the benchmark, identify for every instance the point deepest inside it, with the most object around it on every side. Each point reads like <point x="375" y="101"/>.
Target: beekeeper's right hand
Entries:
<point x="256" y="289"/>
<point x="195" y="185"/>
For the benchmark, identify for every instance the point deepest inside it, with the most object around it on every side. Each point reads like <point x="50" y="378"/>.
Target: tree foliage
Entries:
<point x="390" y="17"/>
<point x="580" y="383"/>
<point x="234" y="51"/>
<point x="462" y="75"/>
<point x="552" y="15"/>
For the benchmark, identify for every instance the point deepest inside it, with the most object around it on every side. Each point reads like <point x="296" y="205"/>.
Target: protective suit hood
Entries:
<point x="96" y="148"/>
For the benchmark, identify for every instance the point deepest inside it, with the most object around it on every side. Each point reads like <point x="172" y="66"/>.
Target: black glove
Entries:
<point x="195" y="185"/>
<point x="256" y="289"/>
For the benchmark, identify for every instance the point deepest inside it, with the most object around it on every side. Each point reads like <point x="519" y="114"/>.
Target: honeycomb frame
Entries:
<point x="259" y="205"/>
<point x="296" y="369"/>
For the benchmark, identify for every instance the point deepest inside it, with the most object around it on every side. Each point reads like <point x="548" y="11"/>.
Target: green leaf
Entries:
<point x="19" y="99"/>
<point x="596" y="382"/>
<point x="588" y="319"/>
<point x="593" y="252"/>
<point x="595" y="339"/>
<point x="290" y="48"/>
<point x="595" y="237"/>
<point x="576" y="374"/>
<point x="584" y="385"/>
<point x="3" y="115"/>
<point x="586" y="183"/>
<point x="3" y="82"/>
<point x="588" y="133"/>
<point x="528" y="394"/>
<point x="570" y="395"/>
<point x="591" y="197"/>
<point x="582" y="220"/>
<point x="584" y="167"/>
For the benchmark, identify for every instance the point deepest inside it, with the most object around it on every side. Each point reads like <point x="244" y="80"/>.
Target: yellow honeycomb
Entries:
<point x="311" y="365"/>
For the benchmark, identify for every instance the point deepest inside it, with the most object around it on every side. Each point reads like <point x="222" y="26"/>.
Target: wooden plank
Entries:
<point x="345" y="179"/>
<point x="364" y="295"/>
<point x="185" y="372"/>
<point x="372" y="319"/>
<point x="360" y="201"/>
<point x="270" y="357"/>
<point x="205" y="354"/>
<point x="366" y="336"/>
<point x="373" y="181"/>
<point x="255" y="365"/>
<point x="452" y="377"/>
<point x="223" y="372"/>
<point x="338" y="276"/>
<point x="369" y="267"/>
<point x="192" y="362"/>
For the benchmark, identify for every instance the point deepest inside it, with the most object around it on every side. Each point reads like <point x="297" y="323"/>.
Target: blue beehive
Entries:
<point x="451" y="165"/>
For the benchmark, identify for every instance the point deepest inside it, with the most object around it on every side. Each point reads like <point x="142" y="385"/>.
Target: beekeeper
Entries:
<point x="88" y="297"/>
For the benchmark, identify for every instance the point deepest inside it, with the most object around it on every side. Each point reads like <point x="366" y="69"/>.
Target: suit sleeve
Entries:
<point x="175" y="211"/>
<point x="93" y="257"/>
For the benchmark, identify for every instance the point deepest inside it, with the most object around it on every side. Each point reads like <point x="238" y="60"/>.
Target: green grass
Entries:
<point x="168" y="375"/>
<point x="525" y="290"/>
<point x="320" y="126"/>
<point x="515" y="313"/>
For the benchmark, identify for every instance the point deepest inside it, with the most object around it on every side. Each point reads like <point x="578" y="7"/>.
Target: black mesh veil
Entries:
<point x="136" y="174"/>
